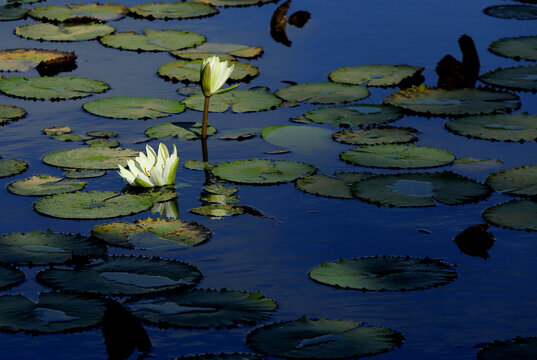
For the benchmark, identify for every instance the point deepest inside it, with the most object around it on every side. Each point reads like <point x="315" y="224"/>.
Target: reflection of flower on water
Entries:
<point x="168" y="209"/>
<point x="152" y="169"/>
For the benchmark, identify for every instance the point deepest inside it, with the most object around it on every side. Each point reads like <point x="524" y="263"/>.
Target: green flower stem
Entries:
<point x="205" y="116"/>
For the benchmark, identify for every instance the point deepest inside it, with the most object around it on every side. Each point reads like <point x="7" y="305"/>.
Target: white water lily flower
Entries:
<point x="152" y="169"/>
<point x="213" y="75"/>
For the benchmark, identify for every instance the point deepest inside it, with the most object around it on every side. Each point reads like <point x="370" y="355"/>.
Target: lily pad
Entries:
<point x="518" y="48"/>
<point x="354" y="115"/>
<point x="189" y="71"/>
<point x="301" y="139"/>
<point x="92" y="205"/>
<point x="123" y="275"/>
<point x="102" y="143"/>
<point x="198" y="165"/>
<point x="41" y="185"/>
<point x="26" y="59"/>
<point x="223" y="356"/>
<point x="11" y="12"/>
<point x="51" y="88"/>
<point x="425" y="100"/>
<point x="375" y="75"/>
<point x="514" y="214"/>
<point x="219" y="198"/>
<point x="240" y="101"/>
<point x="10" y="113"/>
<point x="203" y="308"/>
<point x="102" y="134"/>
<point x="97" y="158"/>
<point x="376" y="136"/>
<point x="53" y="313"/>
<point x="499" y="127"/>
<point x="223" y="51"/>
<point x="322" y="339"/>
<point x="520" y="181"/>
<point x="227" y="3"/>
<point x="176" y="232"/>
<point x="520" y="348"/>
<point x="183" y="130"/>
<point x="63" y="32"/>
<point x="517" y="78"/>
<point x="10" y="276"/>
<point x="322" y="93"/>
<point x="338" y="186"/>
<point x="173" y="10"/>
<point x="46" y="248"/>
<point x="391" y="273"/>
<point x="84" y="174"/>
<point x="127" y="107"/>
<point x="420" y="189"/>
<point x="78" y="12"/>
<point x="239" y="134"/>
<point x="256" y="171"/>
<point x="218" y="210"/>
<point x="218" y="189"/>
<point x="398" y="156"/>
<point x="10" y="167"/>
<point x="518" y="12"/>
<point x="153" y="40"/>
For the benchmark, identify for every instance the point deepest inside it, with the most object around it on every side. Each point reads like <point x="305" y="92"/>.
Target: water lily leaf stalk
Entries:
<point x="152" y="169"/>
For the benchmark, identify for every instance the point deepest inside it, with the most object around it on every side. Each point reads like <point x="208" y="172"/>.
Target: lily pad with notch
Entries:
<point x="520" y="348"/>
<point x="10" y="277"/>
<point x="514" y="214"/>
<point x="517" y="12"/>
<point x="10" y="113"/>
<point x="153" y="40"/>
<point x="78" y="12"/>
<point x="96" y="158"/>
<point x="41" y="185"/>
<point x="63" y="32"/>
<point x="51" y="88"/>
<point x="518" y="48"/>
<point x="126" y="107"/>
<point x="521" y="181"/>
<point x="183" y="130"/>
<point x="262" y="171"/>
<point x="376" y="136"/>
<point x="27" y="59"/>
<point x="240" y="101"/>
<point x="10" y="167"/>
<point x="189" y="71"/>
<point x="300" y="139"/>
<point x="516" y="78"/>
<point x="376" y="75"/>
<point x="322" y="93"/>
<point x="338" y="186"/>
<point x="354" y="115"/>
<point x="223" y="51"/>
<point x="172" y="10"/>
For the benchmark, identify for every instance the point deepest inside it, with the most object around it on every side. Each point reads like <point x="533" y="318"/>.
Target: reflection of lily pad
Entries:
<point x="523" y="47"/>
<point x="218" y="210"/>
<point x="302" y="139"/>
<point x="395" y="273"/>
<point x="415" y="189"/>
<point x="63" y="32"/>
<point x="518" y="12"/>
<point x="322" y="339"/>
<point x="519" y="348"/>
<point x="223" y="51"/>
<point x="97" y="158"/>
<point x="26" y="59"/>
<point x="514" y="214"/>
<point x="376" y="136"/>
<point x="10" y="113"/>
<point x="518" y="181"/>
<point x="78" y="11"/>
<point x="92" y="205"/>
<point x="189" y="71"/>
<point x="153" y="40"/>
<point x="183" y="130"/>
<point x="203" y="308"/>
<point x="51" y="88"/>
<point x="375" y="75"/>
<point x="517" y="78"/>
<point x="10" y="276"/>
<point x="10" y="167"/>
<point x="337" y="187"/>
<point x="40" y="185"/>
<point x="219" y="198"/>
<point x="173" y="10"/>
<point x="322" y="93"/>
<point x="239" y="100"/>
<point x="354" y="115"/>
<point x="127" y="107"/>
<point x="257" y="171"/>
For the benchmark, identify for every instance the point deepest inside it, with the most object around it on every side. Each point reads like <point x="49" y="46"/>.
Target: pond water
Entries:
<point x="493" y="299"/>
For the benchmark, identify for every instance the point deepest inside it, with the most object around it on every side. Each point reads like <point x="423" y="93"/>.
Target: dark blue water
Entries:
<point x="492" y="299"/>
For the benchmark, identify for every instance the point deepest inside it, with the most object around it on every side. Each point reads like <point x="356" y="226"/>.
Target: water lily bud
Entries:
<point x="213" y="75"/>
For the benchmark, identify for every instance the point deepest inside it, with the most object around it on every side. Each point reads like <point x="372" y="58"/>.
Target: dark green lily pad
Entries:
<point x="223" y="356"/>
<point x="10" y="113"/>
<point x="322" y="93"/>
<point x="63" y="32"/>
<point x="46" y="248"/>
<point x="10" y="276"/>
<point x="183" y="130"/>
<point x="519" y="348"/>
<point x="518" y="12"/>
<point x="520" y="181"/>
<point x="227" y="3"/>
<point x="198" y="165"/>
<point x="78" y="12"/>
<point x="218" y="189"/>
<point x="53" y="313"/>
<point x="10" y="167"/>
<point x="375" y="75"/>
<point x="10" y="12"/>
<point x="518" y="48"/>
<point x="420" y="189"/>
<point x="92" y="205"/>
<point x="41" y="185"/>
<point x="223" y="51"/>
<point x="391" y="273"/>
<point x="102" y="143"/>
<point x="102" y="134"/>
<point x="127" y="107"/>
<point x="239" y="134"/>
<point x="189" y="71"/>
<point x="398" y="156"/>
<point x="240" y="101"/>
<point x="26" y="59"/>
<point x="51" y="88"/>
<point x="514" y="214"/>
<point x="97" y="158"/>
<point x="376" y="136"/>
<point x="256" y="171"/>
<point x="173" y="10"/>
<point x="425" y="100"/>
<point x="354" y="115"/>
<point x="153" y="40"/>
<point x="84" y="174"/>
<point x="301" y="139"/>
<point x="218" y="210"/>
<point x="338" y="186"/>
<point x="322" y="339"/>
<point x="123" y="275"/>
<point x="517" y="78"/>
<point x="173" y="232"/>
<point x="203" y="308"/>
<point x="499" y="127"/>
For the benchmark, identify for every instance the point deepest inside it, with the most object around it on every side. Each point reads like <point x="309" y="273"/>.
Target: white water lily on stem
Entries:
<point x="214" y="74"/>
<point x="152" y="169"/>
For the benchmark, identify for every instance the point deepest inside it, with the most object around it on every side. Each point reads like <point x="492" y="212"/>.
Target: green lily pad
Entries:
<point x="10" y="276"/>
<point x="96" y="158"/>
<point x="67" y="137"/>
<point x="46" y="248"/>
<point x="256" y="171"/>
<point x="198" y="165"/>
<point x="102" y="134"/>
<point x="78" y="12"/>
<point x="218" y="210"/>
<point x="518" y="48"/>
<point x="53" y="313"/>
<point x="219" y="198"/>
<point x="517" y="78"/>
<point x="127" y="107"/>
<point x="376" y="136"/>
<point x="227" y="3"/>
<point x="92" y="205"/>
<point x="239" y="134"/>
<point x="499" y="127"/>
<point x="420" y="189"/>
<point x="10" y="12"/>
<point x="520" y="348"/>
<point x="41" y="185"/>
<point x="51" y="88"/>
<point x="175" y="232"/>
<point x="84" y="174"/>
<point x="375" y="75"/>
<point x="223" y="51"/>
<point x="63" y="32"/>
<point x="223" y="356"/>
<point x="354" y="115"/>
<point x="10" y="113"/>
<point x="518" y="12"/>
<point x="520" y="181"/>
<point x="338" y="186"/>
<point x="10" y="167"/>
<point x="26" y="59"/>
<point x="240" y="101"/>
<point x="218" y="189"/>
<point x="301" y="139"/>
<point x="183" y="130"/>
<point x="425" y="100"/>
<point x="102" y="143"/>
<point x="203" y="308"/>
<point x="322" y="93"/>
<point x="123" y="275"/>
<point x="514" y="214"/>
<point x="322" y="339"/>
<point x="189" y="71"/>
<point x="173" y="10"/>
<point x="153" y="40"/>
<point x="392" y="273"/>
<point x="398" y="156"/>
